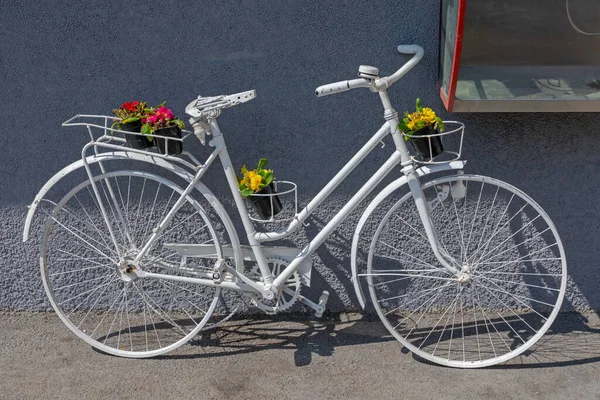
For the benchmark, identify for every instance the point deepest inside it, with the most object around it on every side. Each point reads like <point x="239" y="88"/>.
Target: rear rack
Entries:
<point x="102" y="135"/>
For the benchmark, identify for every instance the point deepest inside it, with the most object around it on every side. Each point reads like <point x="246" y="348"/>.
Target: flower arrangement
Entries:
<point x="257" y="188"/>
<point x="254" y="181"/>
<point x="422" y="129"/>
<point x="131" y="111"/>
<point x="159" y="118"/>
<point x="423" y="117"/>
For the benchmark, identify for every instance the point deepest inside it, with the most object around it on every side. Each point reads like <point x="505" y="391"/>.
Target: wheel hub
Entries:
<point x="127" y="270"/>
<point x="465" y="275"/>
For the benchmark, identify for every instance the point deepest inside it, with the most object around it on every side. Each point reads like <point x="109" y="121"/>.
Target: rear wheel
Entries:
<point x="103" y="298"/>
<point x="512" y="276"/>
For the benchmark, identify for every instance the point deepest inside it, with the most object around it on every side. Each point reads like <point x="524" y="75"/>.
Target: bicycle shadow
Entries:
<point x="572" y="340"/>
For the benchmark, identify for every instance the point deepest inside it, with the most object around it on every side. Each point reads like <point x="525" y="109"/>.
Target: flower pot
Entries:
<point x="262" y="204"/>
<point x="135" y="141"/>
<point x="172" y="146"/>
<point x="427" y="147"/>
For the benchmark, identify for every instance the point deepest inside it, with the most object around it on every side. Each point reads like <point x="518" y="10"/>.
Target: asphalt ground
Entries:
<point x="346" y="356"/>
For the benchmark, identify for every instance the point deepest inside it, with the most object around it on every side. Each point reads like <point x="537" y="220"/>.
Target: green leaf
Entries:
<point x="113" y="126"/>
<point x="246" y="192"/>
<point x="146" y="129"/>
<point x="262" y="162"/>
<point x="268" y="177"/>
<point x="440" y="124"/>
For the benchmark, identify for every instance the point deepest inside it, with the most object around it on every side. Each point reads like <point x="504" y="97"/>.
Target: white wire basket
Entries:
<point x="281" y="205"/>
<point x="100" y="129"/>
<point x="439" y="147"/>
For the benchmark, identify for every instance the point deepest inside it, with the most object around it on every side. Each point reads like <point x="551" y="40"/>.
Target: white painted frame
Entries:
<point x="270" y="286"/>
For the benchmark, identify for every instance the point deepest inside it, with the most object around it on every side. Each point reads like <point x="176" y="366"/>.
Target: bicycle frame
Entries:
<point x="400" y="156"/>
<point x="270" y="286"/>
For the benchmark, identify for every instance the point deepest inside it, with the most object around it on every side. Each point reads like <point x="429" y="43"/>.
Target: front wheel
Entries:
<point x="511" y="280"/>
<point x="100" y="296"/>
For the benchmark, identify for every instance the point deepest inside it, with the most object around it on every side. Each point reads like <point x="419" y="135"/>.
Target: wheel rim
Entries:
<point x="513" y="279"/>
<point x="97" y="297"/>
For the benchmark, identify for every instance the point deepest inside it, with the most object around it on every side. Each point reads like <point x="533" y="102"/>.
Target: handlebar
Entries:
<point x="342" y="86"/>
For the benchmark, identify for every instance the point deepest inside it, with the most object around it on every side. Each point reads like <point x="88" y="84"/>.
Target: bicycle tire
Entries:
<point x="81" y="272"/>
<point x="516" y="272"/>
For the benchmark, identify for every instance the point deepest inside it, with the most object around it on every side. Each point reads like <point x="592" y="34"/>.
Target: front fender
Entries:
<point x="422" y="171"/>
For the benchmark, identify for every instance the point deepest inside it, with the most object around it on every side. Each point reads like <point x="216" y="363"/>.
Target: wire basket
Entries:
<point x="439" y="147"/>
<point x="272" y="204"/>
<point x="100" y="129"/>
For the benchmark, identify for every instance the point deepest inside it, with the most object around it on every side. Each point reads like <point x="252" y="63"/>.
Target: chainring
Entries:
<point x="288" y="294"/>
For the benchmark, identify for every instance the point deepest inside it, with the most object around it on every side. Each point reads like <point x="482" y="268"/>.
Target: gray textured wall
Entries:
<point x="62" y="57"/>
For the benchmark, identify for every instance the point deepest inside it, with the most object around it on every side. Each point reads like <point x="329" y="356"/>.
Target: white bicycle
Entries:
<point x="464" y="270"/>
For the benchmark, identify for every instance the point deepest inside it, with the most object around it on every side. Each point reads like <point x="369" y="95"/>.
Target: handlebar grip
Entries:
<point x="332" y="88"/>
<point x="409" y="48"/>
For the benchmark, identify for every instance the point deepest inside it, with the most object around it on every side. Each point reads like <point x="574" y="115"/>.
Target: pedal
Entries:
<point x="322" y="303"/>
<point x="318" y="307"/>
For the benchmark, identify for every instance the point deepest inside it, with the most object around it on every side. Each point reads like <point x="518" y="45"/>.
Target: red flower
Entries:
<point x="129" y="106"/>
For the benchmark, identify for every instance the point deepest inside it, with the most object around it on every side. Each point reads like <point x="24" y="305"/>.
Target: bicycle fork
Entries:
<point x="424" y="213"/>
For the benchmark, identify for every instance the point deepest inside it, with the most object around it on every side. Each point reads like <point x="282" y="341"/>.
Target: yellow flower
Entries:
<point x="255" y="181"/>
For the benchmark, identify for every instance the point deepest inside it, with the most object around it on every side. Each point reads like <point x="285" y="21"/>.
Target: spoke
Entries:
<point x="411" y="276"/>
<point x="81" y="270"/>
<point x="519" y="283"/>
<point x="510" y="237"/>
<point x="474" y="216"/>
<point x="501" y="290"/>
<point x="462" y="326"/>
<point x="104" y="185"/>
<point x="81" y="283"/>
<point x="425" y="304"/>
<point x="505" y="321"/>
<point x="419" y="261"/>
<point x="453" y="321"/>
<point x="103" y="284"/>
<point x="516" y="247"/>
<point x="86" y="242"/>
<point x="86" y="292"/>
<point x="91" y="308"/>
<point x="497" y="230"/>
<point x="128" y="323"/>
<point x="157" y="309"/>
<point x="404" y="235"/>
<point x="485" y="320"/>
<point x="79" y="233"/>
<point x="476" y="328"/>
<point x="515" y="273"/>
<point x="414" y="299"/>
<point x="460" y="231"/>
<point x="140" y="207"/>
<point x="181" y="222"/>
<point x="504" y="262"/>
<point x="115" y="317"/>
<point x="521" y="260"/>
<point x="453" y="304"/>
<point x="152" y="211"/>
<point x="436" y="324"/>
<point x="424" y="291"/>
<point x="124" y="208"/>
<point x="101" y="234"/>
<point x="182" y="308"/>
<point x="487" y="219"/>
<point x="150" y="314"/>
